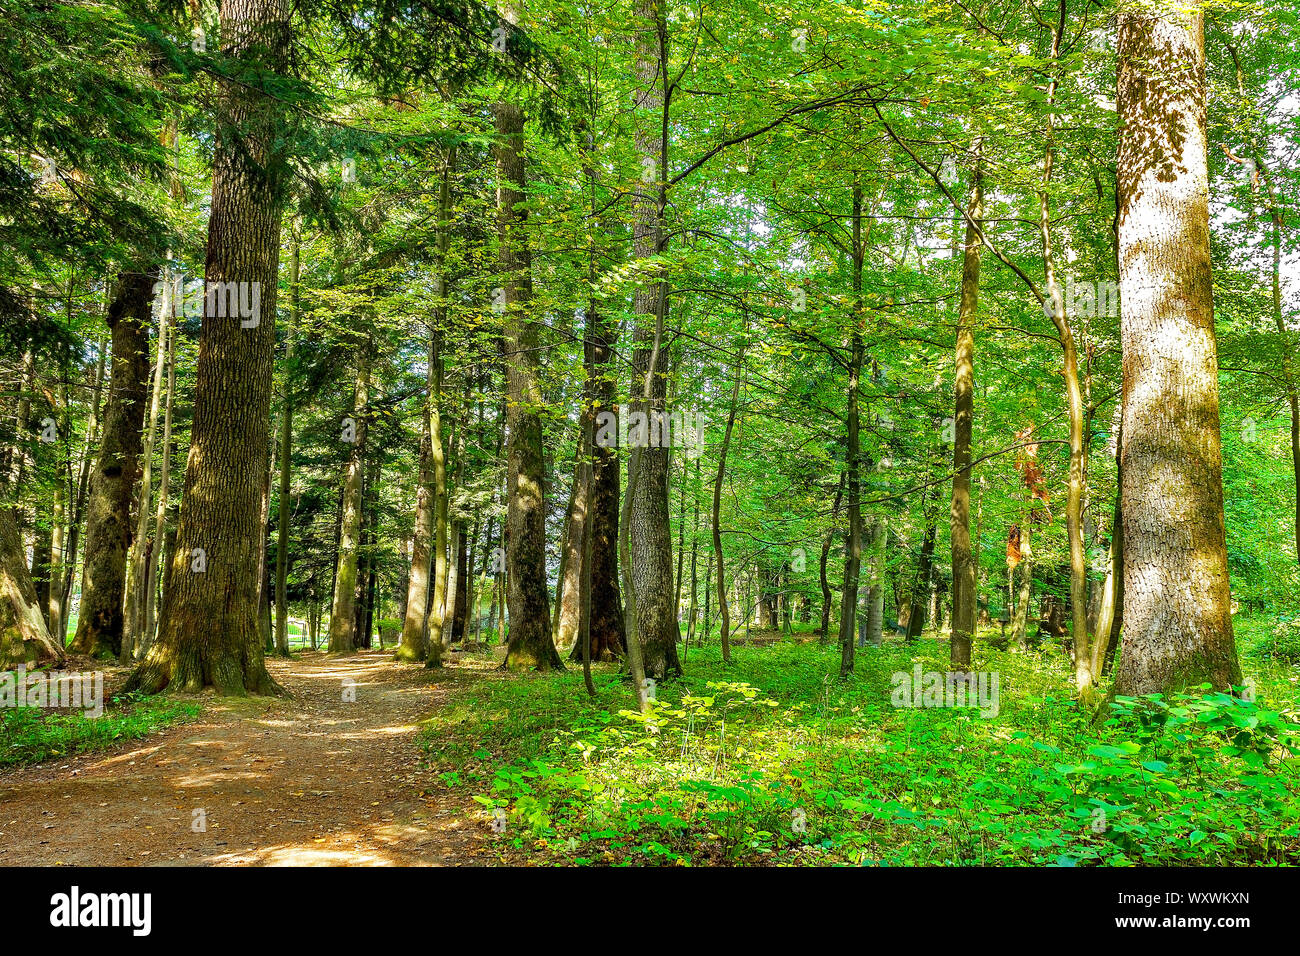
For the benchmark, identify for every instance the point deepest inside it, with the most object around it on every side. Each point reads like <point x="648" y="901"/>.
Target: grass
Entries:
<point x="30" y="734"/>
<point x="775" y="761"/>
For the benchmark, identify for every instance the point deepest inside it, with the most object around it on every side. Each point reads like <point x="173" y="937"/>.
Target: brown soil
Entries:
<point x="306" y="779"/>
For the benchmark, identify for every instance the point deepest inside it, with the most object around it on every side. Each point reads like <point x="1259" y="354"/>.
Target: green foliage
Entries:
<point x="31" y="734"/>
<point x="776" y="761"/>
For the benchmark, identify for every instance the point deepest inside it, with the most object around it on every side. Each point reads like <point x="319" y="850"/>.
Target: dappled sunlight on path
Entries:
<point x="328" y="776"/>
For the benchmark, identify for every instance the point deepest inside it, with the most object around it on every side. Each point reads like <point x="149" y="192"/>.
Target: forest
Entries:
<point x="649" y="432"/>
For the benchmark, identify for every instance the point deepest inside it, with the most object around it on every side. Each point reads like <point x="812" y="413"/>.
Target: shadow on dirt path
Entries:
<point x="308" y="779"/>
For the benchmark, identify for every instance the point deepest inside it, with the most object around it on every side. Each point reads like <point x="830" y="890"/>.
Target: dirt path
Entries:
<point x="309" y="779"/>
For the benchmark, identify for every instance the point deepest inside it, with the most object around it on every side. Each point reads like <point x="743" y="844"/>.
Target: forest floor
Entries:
<point x="306" y="779"/>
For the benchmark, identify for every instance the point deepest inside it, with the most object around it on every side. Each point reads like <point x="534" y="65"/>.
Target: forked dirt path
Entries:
<point x="307" y="779"/>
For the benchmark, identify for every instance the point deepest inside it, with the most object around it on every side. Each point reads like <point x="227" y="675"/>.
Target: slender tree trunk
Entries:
<point x="343" y="624"/>
<point x="58" y="515"/>
<point x="695" y="550"/>
<point x="83" y="472"/>
<point x="152" y="554"/>
<point x="1177" y="619"/>
<point x="853" y="481"/>
<point x="825" y="629"/>
<point x="286" y="458"/>
<point x="717" y="511"/>
<point x="565" y="621"/>
<point x="876" y="592"/>
<point x="1055" y="308"/>
<point x="17" y="453"/>
<point x="136" y="583"/>
<point x="455" y="601"/>
<point x="1020" y="622"/>
<point x="924" y="571"/>
<point x="964" y="598"/>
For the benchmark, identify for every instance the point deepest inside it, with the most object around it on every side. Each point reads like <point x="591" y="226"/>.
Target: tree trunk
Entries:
<point x="825" y="629"/>
<point x="136" y="583"/>
<point x="415" y="623"/>
<point x="1177" y="619"/>
<point x="209" y="634"/>
<point x="924" y="571"/>
<point x="650" y="535"/>
<point x="853" y="541"/>
<point x="568" y="589"/>
<point x="154" y="552"/>
<point x="964" y="596"/>
<point x="343" y="623"/>
<point x="605" y="602"/>
<point x="58" y="516"/>
<point x="531" y="646"/>
<point x="24" y="638"/>
<point x="83" y="472"/>
<point x="876" y="591"/>
<point x="286" y="459"/>
<point x="108" y="513"/>
<point x="717" y="511"/>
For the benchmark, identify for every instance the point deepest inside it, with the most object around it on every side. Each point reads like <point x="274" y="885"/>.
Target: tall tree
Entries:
<point x="964" y="596"/>
<point x="209" y="634"/>
<point x="531" y="646"/>
<point x="649" y="534"/>
<point x="108" y="517"/>
<point x="1177" y="616"/>
<point x="343" y="613"/>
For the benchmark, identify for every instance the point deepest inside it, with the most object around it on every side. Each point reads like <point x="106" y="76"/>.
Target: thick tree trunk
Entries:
<point x="108" y="515"/>
<point x="209" y="635"/>
<point x="608" y="640"/>
<point x="24" y="638"/>
<point x="964" y="597"/>
<point x="1177" y="619"/>
<point x="531" y="646"/>
<point x="650" y="534"/>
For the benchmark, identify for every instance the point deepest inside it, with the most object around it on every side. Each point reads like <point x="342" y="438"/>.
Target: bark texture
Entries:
<point x="530" y="646"/>
<point x="23" y="635"/>
<point x="343" y="614"/>
<point x="1177" y="621"/>
<point x="108" y="513"/>
<point x="650" y="536"/>
<point x="209" y="634"/>
<point x="963" y="558"/>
